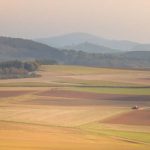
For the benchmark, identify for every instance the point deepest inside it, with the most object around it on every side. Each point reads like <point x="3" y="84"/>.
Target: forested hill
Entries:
<point x="15" y="48"/>
<point x="21" y="49"/>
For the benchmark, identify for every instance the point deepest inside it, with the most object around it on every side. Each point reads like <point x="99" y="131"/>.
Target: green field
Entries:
<point x="106" y="90"/>
<point x="124" y="133"/>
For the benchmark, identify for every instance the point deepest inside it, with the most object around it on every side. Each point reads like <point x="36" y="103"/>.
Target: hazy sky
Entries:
<point x="116" y="19"/>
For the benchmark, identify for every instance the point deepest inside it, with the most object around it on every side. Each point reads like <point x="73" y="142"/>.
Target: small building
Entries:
<point x="135" y="107"/>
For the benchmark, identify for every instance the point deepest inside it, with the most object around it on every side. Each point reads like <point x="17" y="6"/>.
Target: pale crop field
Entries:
<point x="58" y="116"/>
<point x="36" y="121"/>
<point x="56" y="75"/>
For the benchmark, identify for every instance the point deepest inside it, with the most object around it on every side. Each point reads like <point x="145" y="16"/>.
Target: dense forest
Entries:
<point x="18" y="69"/>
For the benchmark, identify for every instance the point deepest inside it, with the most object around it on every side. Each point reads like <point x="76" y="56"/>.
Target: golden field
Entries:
<point x="66" y="109"/>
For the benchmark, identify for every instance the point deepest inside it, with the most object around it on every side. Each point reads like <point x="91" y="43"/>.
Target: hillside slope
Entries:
<point x="15" y="48"/>
<point x="21" y="49"/>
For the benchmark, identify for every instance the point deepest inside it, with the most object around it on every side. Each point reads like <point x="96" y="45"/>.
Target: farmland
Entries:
<point x="76" y="108"/>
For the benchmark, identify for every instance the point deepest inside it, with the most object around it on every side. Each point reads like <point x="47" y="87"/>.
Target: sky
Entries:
<point x="113" y="19"/>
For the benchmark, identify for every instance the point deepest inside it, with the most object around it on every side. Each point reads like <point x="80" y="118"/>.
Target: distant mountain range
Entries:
<point x="92" y="44"/>
<point x="22" y="49"/>
<point x="91" y="48"/>
<point x="80" y="38"/>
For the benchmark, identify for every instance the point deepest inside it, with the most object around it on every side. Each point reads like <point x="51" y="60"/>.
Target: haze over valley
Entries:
<point x="74" y="75"/>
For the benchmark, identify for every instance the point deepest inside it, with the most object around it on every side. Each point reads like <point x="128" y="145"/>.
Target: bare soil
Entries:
<point x="88" y="95"/>
<point x="137" y="117"/>
<point x="75" y="98"/>
<point x="11" y="93"/>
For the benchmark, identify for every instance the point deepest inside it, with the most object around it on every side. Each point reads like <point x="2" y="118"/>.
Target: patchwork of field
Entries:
<point x="76" y="108"/>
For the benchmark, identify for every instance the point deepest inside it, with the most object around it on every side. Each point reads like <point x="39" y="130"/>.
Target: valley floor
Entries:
<point x="76" y="108"/>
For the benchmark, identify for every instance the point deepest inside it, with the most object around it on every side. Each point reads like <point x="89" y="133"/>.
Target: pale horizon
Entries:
<point x="112" y="19"/>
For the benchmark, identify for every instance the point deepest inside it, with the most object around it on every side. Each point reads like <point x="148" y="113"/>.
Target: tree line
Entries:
<point x="18" y="69"/>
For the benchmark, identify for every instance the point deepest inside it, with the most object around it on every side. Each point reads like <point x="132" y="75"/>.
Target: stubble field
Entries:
<point x="76" y="108"/>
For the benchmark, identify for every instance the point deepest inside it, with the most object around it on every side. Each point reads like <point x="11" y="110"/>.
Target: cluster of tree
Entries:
<point x="18" y="69"/>
<point x="118" y="60"/>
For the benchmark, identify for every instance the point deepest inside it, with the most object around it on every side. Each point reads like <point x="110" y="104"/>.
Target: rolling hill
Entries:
<point x="22" y="49"/>
<point x="141" y="47"/>
<point x="91" y="48"/>
<point x="78" y="38"/>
